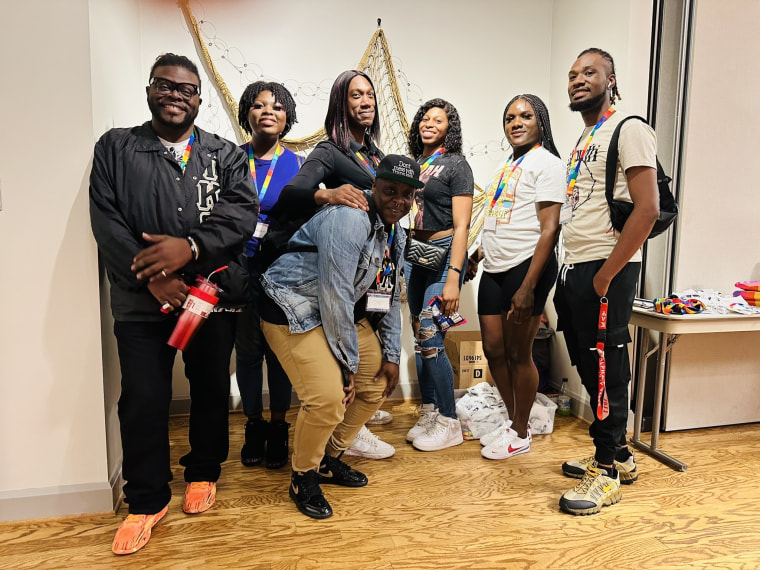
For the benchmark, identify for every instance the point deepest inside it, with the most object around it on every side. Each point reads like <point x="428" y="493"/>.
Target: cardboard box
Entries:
<point x="465" y="352"/>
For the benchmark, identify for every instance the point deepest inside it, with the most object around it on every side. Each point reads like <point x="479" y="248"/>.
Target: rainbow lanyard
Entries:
<point x="503" y="181"/>
<point x="386" y="266"/>
<point x="575" y="168"/>
<point x="364" y="160"/>
<point x="430" y="160"/>
<point x="186" y="155"/>
<point x="270" y="172"/>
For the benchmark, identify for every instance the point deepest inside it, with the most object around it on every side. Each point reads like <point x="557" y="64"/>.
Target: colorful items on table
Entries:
<point x="674" y="305"/>
<point x="750" y="292"/>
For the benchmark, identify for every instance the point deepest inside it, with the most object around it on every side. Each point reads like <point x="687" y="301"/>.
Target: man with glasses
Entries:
<point x="168" y="202"/>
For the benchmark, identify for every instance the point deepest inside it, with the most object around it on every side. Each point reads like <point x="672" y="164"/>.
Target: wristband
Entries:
<point x="455" y="269"/>
<point x="193" y="247"/>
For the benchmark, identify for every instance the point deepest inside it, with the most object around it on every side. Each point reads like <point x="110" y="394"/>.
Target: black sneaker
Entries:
<point x="255" y="439"/>
<point x="307" y="495"/>
<point x="333" y="471"/>
<point x="277" y="444"/>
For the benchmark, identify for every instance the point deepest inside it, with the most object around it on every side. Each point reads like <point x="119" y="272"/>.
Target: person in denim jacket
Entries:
<point x="332" y="312"/>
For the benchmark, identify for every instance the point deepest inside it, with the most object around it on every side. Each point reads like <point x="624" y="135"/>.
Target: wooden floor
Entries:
<point x="447" y="509"/>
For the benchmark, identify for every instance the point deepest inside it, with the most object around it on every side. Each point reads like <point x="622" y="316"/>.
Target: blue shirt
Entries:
<point x="287" y="167"/>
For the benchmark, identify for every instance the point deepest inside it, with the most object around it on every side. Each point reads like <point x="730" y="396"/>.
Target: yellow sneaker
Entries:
<point x="594" y="491"/>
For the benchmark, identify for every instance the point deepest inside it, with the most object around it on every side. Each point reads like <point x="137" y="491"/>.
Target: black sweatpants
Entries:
<point x="577" y="307"/>
<point x="146" y="390"/>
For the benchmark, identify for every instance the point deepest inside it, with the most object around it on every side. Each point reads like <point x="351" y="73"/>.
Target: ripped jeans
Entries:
<point x="434" y="371"/>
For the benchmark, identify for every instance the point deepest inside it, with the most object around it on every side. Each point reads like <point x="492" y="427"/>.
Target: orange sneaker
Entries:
<point x="134" y="532"/>
<point x="199" y="497"/>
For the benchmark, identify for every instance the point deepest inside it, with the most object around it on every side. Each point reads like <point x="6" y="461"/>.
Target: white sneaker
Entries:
<point x="367" y="444"/>
<point x="380" y="418"/>
<point x="428" y="414"/>
<point x="506" y="445"/>
<point x="492" y="436"/>
<point x="445" y="432"/>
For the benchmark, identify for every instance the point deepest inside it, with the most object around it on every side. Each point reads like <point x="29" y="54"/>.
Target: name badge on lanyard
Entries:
<point x="378" y="302"/>
<point x="261" y="230"/>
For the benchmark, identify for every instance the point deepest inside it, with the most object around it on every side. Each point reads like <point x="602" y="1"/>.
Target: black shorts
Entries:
<point x="497" y="289"/>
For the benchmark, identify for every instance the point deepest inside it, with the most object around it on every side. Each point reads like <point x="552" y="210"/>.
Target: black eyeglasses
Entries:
<point x="186" y="90"/>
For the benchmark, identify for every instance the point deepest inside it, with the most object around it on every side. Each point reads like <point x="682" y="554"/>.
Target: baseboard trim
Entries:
<point x="56" y="501"/>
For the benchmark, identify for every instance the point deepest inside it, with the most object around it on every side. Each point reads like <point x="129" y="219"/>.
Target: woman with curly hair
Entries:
<point x="520" y="231"/>
<point x="440" y="220"/>
<point x="266" y="111"/>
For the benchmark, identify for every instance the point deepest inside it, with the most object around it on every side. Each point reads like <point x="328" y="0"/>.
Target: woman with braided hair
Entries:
<point x="520" y="232"/>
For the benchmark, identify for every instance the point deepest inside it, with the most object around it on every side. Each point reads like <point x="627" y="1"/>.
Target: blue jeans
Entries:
<point x="251" y="347"/>
<point x="434" y="371"/>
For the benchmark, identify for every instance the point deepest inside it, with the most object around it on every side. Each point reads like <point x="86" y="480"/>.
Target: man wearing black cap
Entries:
<point x="332" y="316"/>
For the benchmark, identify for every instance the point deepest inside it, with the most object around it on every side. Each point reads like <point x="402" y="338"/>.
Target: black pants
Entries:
<point x="146" y="390"/>
<point x="578" y="317"/>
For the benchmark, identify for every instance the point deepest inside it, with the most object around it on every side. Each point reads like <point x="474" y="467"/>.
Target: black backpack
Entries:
<point x="620" y="210"/>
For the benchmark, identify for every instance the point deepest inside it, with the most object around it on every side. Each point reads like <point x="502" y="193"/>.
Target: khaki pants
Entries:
<point x="324" y="425"/>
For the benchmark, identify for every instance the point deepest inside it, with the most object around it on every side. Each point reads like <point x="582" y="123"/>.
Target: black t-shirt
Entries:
<point x="327" y="164"/>
<point x="446" y="177"/>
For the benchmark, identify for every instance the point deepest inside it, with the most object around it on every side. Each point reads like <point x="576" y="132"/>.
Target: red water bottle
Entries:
<point x="199" y="304"/>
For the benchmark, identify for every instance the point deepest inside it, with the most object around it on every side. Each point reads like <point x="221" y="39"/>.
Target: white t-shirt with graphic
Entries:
<point x="511" y="228"/>
<point x="589" y="236"/>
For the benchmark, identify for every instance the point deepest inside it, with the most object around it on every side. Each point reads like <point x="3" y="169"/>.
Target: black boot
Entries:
<point x="333" y="471"/>
<point x="277" y="444"/>
<point x="255" y="439"/>
<point x="307" y="495"/>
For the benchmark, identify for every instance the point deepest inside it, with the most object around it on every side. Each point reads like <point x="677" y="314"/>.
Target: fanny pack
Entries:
<point x="426" y="255"/>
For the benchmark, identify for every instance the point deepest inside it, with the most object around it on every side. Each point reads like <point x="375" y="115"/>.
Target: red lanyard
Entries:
<point x="603" y="403"/>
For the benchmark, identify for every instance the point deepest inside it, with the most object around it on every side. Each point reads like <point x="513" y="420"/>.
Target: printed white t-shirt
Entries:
<point x="589" y="236"/>
<point x="511" y="235"/>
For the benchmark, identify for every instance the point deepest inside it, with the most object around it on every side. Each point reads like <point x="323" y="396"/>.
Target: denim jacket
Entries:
<point x="321" y="287"/>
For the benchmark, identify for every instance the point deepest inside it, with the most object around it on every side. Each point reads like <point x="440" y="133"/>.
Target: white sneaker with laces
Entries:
<point x="367" y="444"/>
<point x="506" y="445"/>
<point x="445" y="432"/>
<point x="380" y="418"/>
<point x="428" y="414"/>
<point x="494" y="434"/>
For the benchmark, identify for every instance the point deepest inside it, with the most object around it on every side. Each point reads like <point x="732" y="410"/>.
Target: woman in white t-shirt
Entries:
<point x="520" y="232"/>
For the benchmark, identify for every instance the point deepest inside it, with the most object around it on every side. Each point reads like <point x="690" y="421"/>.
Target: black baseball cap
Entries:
<point x="401" y="169"/>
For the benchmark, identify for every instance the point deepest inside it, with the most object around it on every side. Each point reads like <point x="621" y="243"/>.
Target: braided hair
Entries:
<point x="452" y="142"/>
<point x="281" y="95"/>
<point x="542" y="118"/>
<point x="615" y="93"/>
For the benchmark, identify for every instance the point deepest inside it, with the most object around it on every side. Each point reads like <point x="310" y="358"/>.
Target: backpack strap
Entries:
<point x="612" y="158"/>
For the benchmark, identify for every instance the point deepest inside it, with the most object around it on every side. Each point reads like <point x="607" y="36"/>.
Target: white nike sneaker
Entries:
<point x="367" y="444"/>
<point x="494" y="434"/>
<point x="506" y="445"/>
<point x="428" y="414"/>
<point x="380" y="418"/>
<point x="445" y="432"/>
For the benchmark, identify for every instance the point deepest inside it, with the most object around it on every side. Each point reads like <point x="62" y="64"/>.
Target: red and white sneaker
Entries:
<point x="506" y="445"/>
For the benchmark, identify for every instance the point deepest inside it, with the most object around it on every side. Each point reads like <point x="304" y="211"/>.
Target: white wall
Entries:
<point x="52" y="441"/>
<point x="719" y="217"/>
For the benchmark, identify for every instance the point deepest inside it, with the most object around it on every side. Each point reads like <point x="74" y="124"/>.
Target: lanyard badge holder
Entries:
<point x="603" y="403"/>
<point x="379" y="299"/>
